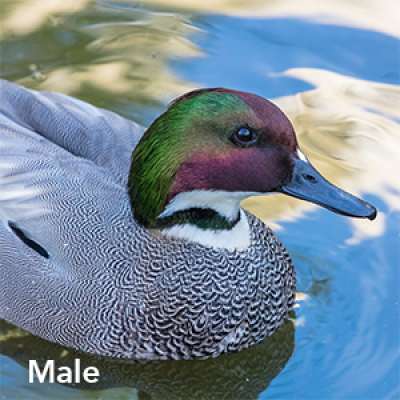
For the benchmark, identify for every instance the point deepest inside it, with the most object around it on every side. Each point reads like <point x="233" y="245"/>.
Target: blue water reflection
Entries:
<point x="247" y="53"/>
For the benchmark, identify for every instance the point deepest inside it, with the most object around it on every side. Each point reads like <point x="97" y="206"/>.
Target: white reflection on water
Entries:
<point x="28" y="16"/>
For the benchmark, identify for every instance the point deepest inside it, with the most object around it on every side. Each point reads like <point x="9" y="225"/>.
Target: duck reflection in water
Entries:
<point x="243" y="375"/>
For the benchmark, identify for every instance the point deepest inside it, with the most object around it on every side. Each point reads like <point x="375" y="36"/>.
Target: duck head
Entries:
<point x="213" y="148"/>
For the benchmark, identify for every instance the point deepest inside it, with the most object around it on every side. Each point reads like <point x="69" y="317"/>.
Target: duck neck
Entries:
<point x="211" y="218"/>
<point x="204" y="209"/>
<point x="211" y="229"/>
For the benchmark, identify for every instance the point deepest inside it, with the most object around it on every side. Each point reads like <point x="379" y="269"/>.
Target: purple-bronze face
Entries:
<point x="240" y="170"/>
<point x="225" y="165"/>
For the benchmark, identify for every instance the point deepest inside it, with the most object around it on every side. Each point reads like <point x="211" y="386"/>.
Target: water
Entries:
<point x="334" y="69"/>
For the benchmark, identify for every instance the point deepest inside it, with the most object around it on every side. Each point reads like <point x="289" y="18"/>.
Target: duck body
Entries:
<point x="76" y="266"/>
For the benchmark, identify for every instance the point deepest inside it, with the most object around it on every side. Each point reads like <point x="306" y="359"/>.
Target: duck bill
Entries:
<point x="308" y="184"/>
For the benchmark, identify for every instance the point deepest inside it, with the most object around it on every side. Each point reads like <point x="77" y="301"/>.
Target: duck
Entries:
<point x="131" y="243"/>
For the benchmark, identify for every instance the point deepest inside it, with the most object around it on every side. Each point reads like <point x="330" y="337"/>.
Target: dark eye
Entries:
<point x="244" y="136"/>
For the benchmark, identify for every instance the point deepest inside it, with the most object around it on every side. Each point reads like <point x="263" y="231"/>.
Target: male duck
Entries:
<point x="159" y="261"/>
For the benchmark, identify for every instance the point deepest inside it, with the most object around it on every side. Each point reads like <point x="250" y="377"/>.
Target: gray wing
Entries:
<point x="63" y="171"/>
<point x="63" y="209"/>
<point x="63" y="164"/>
